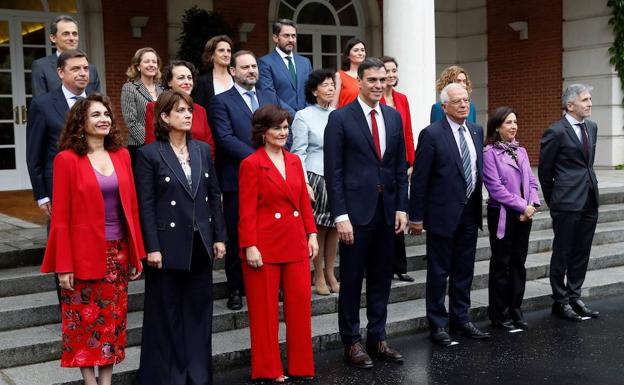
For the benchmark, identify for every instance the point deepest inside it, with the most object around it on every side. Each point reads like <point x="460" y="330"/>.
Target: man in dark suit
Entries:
<point x="446" y="201"/>
<point x="566" y="174"/>
<point x="282" y="71"/>
<point x="366" y="176"/>
<point x="230" y="115"/>
<point x="46" y="118"/>
<point x="64" y="35"/>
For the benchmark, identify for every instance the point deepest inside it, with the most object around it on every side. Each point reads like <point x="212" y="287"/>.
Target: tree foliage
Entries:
<point x="617" y="48"/>
<point x="198" y="26"/>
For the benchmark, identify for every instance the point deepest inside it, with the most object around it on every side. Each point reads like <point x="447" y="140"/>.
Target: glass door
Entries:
<point x="22" y="40"/>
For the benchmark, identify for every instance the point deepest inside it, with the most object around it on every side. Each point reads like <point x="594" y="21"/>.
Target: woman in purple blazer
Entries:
<point x="512" y="202"/>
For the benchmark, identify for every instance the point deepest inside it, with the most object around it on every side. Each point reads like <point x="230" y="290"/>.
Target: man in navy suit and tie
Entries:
<point x="366" y="177"/>
<point x="566" y="174"/>
<point x="64" y="35"/>
<point x="230" y="114"/>
<point x="446" y="201"/>
<point x="282" y="71"/>
<point x="46" y="118"/>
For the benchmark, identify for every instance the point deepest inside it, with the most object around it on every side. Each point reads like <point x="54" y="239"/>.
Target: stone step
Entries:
<point x="41" y="343"/>
<point x="40" y="308"/>
<point x="231" y="348"/>
<point x="25" y="248"/>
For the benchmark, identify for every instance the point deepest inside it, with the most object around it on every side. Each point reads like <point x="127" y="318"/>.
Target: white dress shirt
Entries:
<point x="246" y="98"/>
<point x="577" y="129"/>
<point x="284" y="55"/>
<point x="70" y="96"/>
<point x="471" y="147"/>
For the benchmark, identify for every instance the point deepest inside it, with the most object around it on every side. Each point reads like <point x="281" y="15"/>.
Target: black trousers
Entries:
<point x="176" y="348"/>
<point x="507" y="277"/>
<point x="371" y="254"/>
<point x="132" y="150"/>
<point x="574" y="233"/>
<point x="452" y="258"/>
<point x="400" y="256"/>
<point x="233" y="270"/>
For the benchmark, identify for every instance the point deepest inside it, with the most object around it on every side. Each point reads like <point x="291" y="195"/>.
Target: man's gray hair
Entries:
<point x="451" y="86"/>
<point x="571" y="92"/>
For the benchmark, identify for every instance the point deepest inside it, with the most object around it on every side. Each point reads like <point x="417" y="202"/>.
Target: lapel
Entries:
<point x="237" y="100"/>
<point x="451" y="144"/>
<point x="196" y="166"/>
<point x="141" y="89"/>
<point x="569" y="130"/>
<point x="389" y="125"/>
<point x="279" y="62"/>
<point x="60" y="104"/>
<point x="274" y="175"/>
<point x="478" y="144"/>
<point x="300" y="65"/>
<point x="171" y="160"/>
<point x="52" y="63"/>
<point x="362" y="124"/>
<point x="508" y="160"/>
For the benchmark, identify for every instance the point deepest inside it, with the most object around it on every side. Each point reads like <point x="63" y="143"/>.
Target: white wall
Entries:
<point x="587" y="37"/>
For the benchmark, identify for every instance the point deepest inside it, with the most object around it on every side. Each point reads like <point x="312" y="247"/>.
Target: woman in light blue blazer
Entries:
<point x="452" y="74"/>
<point x="308" y="129"/>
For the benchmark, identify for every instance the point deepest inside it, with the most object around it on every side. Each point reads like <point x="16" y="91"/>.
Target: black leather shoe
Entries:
<point x="565" y="311"/>
<point x="440" y="336"/>
<point x="470" y="330"/>
<point x="518" y="319"/>
<point x="581" y="309"/>
<point x="404" y="278"/>
<point x="504" y="324"/>
<point x="356" y="356"/>
<point x="235" y="302"/>
<point x="382" y="350"/>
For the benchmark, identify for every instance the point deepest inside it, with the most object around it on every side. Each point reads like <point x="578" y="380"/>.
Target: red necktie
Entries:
<point x="375" y="130"/>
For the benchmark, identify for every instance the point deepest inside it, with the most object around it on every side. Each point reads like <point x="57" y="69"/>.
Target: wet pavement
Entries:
<point x="552" y="351"/>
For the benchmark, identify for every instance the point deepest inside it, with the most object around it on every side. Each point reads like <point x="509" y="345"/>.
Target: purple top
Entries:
<point x="114" y="219"/>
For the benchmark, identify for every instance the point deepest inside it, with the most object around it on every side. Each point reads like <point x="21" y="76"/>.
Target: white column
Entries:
<point x="94" y="44"/>
<point x="409" y="36"/>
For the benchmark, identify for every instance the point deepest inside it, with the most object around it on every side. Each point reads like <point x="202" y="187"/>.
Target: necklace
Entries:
<point x="180" y="150"/>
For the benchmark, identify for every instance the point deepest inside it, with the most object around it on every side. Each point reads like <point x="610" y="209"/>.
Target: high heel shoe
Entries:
<point x="322" y="289"/>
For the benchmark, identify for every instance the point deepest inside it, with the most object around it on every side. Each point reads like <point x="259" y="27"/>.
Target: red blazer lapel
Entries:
<point x="276" y="178"/>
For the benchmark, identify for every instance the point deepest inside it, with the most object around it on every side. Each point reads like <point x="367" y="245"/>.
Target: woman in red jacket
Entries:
<point x="95" y="243"/>
<point x="398" y="101"/>
<point x="277" y="237"/>
<point x="180" y="76"/>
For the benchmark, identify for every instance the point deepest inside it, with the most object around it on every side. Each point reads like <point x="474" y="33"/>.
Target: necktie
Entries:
<point x="254" y="102"/>
<point x="584" y="139"/>
<point x="375" y="130"/>
<point x="465" y="154"/>
<point x="291" y="69"/>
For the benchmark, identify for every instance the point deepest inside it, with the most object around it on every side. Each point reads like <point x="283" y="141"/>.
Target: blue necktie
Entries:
<point x="254" y="102"/>
<point x="465" y="154"/>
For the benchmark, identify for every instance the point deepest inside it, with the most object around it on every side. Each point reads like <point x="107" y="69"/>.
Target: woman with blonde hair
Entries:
<point x="141" y="88"/>
<point x="452" y="74"/>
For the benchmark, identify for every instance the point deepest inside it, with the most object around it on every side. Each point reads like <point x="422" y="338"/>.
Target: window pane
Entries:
<point x="329" y="62"/>
<point x="5" y="59"/>
<point x="328" y="44"/>
<point x="62" y="6"/>
<point x="4" y="32"/>
<point x="31" y="54"/>
<point x="5" y="83"/>
<point x="28" y="82"/>
<point x="33" y="33"/>
<point x="7" y="159"/>
<point x="315" y="13"/>
<point x="348" y="16"/>
<point x="6" y="108"/>
<point x="27" y="5"/>
<point x="284" y="12"/>
<point x="304" y="43"/>
<point x="7" y="134"/>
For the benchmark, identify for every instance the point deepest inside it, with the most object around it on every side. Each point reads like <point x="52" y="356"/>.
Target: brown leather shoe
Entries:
<point x="382" y="350"/>
<point x="356" y="356"/>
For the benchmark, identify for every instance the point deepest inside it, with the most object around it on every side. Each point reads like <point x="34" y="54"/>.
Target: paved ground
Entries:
<point x="551" y="352"/>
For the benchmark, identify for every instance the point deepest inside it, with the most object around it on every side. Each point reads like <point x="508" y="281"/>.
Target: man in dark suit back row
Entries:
<point x="46" y="118"/>
<point x="570" y="187"/>
<point x="64" y="35"/>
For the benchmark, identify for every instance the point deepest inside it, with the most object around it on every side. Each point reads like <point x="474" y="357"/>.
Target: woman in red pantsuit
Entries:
<point x="277" y="238"/>
<point x="95" y="242"/>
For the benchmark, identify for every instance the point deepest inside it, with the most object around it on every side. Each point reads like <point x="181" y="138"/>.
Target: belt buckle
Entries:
<point x="380" y="188"/>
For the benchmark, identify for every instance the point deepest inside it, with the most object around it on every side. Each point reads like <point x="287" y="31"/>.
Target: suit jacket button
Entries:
<point x="167" y="179"/>
<point x="172" y="224"/>
<point x="206" y="175"/>
<point x="296" y="213"/>
<point x="173" y="203"/>
<point x="206" y="199"/>
<point x="278" y="215"/>
<point x="209" y="219"/>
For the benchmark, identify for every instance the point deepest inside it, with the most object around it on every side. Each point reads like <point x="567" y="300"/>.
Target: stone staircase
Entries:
<point x="29" y="317"/>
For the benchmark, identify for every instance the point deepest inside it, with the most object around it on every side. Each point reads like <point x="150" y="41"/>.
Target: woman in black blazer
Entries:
<point x="182" y="220"/>
<point x="216" y="59"/>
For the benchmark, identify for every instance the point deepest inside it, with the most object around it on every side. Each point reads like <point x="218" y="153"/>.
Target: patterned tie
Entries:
<point x="254" y="102"/>
<point x="584" y="139"/>
<point x="291" y="69"/>
<point x="375" y="130"/>
<point x="465" y="154"/>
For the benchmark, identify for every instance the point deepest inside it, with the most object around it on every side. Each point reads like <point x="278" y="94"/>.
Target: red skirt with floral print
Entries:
<point x="94" y="314"/>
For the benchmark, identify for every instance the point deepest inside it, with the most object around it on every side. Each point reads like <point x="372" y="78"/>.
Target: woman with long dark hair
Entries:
<point x="353" y="54"/>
